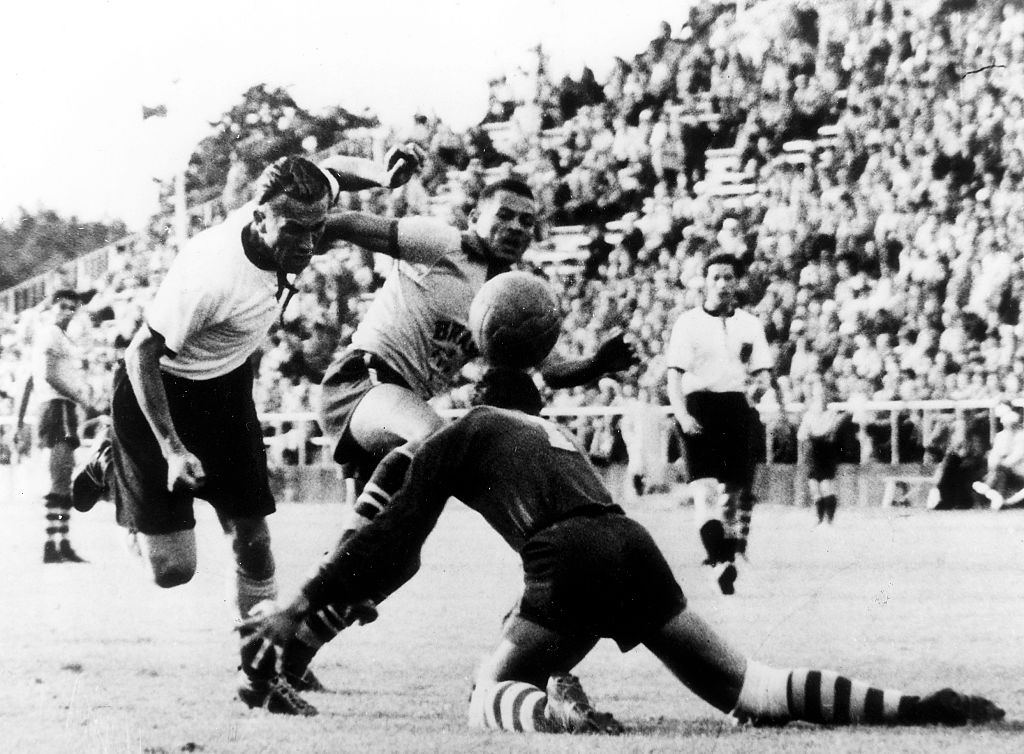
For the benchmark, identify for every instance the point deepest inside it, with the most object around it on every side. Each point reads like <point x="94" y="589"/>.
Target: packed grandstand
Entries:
<point x="863" y="159"/>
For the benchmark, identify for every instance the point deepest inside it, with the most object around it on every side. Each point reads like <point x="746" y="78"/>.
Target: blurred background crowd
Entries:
<point x="862" y="158"/>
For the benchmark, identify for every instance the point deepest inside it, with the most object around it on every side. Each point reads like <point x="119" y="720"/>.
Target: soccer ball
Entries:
<point x="515" y="320"/>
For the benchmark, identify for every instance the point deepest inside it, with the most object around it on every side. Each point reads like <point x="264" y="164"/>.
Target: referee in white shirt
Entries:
<point x="714" y="351"/>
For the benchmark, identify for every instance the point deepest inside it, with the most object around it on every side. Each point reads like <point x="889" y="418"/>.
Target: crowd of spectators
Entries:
<point x="880" y="250"/>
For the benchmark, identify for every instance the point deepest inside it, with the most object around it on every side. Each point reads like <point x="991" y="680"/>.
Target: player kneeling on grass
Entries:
<point x="590" y="572"/>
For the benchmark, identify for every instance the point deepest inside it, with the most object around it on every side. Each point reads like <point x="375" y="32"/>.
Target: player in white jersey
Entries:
<point x="713" y="351"/>
<point x="58" y="384"/>
<point x="184" y="423"/>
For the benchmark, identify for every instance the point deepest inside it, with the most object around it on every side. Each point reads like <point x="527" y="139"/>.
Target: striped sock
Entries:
<point x="746" y="513"/>
<point x="821" y="696"/>
<point x="773" y="695"/>
<point x="386" y="479"/>
<point x="58" y="513"/>
<point x="508" y="705"/>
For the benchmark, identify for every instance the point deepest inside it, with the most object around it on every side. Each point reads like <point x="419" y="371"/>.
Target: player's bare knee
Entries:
<point x="168" y="575"/>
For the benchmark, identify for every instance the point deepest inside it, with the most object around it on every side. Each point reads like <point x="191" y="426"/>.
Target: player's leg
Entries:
<point x="91" y="481"/>
<point x="171" y="556"/>
<point x="322" y="626"/>
<point x="828" y="498"/>
<point x="525" y="685"/>
<point x="255" y="582"/>
<point x="814" y="489"/>
<point x="722" y="676"/>
<point x="58" y="505"/>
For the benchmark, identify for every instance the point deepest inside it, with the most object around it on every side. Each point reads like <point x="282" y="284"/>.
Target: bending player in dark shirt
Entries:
<point x="590" y="572"/>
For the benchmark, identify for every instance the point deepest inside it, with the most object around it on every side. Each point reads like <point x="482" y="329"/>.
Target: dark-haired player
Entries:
<point x="713" y="351"/>
<point x="184" y="424"/>
<point x="590" y="572"/>
<point x="58" y="383"/>
<point x="415" y="338"/>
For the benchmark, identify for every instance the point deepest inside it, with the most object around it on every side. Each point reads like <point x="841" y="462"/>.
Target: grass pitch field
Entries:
<point x="99" y="660"/>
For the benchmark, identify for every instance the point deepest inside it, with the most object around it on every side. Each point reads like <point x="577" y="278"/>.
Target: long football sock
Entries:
<point x="746" y="513"/>
<point x="256" y="661"/>
<point x="508" y="705"/>
<point x="818" y="696"/>
<point x="58" y="513"/>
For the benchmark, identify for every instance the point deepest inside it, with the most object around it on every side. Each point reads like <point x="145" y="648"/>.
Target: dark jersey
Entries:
<point x="521" y="473"/>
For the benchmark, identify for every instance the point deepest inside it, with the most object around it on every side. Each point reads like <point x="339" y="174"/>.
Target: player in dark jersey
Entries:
<point x="590" y="572"/>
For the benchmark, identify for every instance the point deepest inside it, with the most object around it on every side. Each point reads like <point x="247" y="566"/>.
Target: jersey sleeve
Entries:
<point x="50" y="341"/>
<point x="183" y="305"/>
<point x="425" y="240"/>
<point x="679" y="354"/>
<point x="761" y="356"/>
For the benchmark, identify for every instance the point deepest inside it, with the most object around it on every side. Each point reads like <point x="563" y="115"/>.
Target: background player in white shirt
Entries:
<point x="58" y="384"/>
<point x="713" y="351"/>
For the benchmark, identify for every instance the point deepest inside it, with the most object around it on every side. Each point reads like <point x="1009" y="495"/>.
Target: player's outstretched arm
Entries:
<point x="613" y="355"/>
<point x="358" y="174"/>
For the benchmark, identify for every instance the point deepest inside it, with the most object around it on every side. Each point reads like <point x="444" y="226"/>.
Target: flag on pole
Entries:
<point x="160" y="111"/>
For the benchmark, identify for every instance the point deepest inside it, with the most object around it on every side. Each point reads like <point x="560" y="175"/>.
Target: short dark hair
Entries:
<point x="512" y="185"/>
<point x="511" y="389"/>
<point x="65" y="293"/>
<point x="724" y="258"/>
<point x="294" y="177"/>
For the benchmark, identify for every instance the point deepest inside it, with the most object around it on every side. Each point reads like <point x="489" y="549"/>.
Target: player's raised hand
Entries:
<point x="402" y="162"/>
<point x="616" y="353"/>
<point x="184" y="471"/>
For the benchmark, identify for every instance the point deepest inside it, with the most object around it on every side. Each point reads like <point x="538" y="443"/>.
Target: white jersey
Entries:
<point x="214" y="307"/>
<point x="418" y="320"/>
<point x="717" y="353"/>
<point x="53" y="343"/>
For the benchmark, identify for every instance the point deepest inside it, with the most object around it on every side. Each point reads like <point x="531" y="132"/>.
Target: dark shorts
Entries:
<point x="724" y="449"/>
<point x="822" y="458"/>
<point x="58" y="422"/>
<point x="216" y="419"/>
<point x="346" y="381"/>
<point x="598" y="577"/>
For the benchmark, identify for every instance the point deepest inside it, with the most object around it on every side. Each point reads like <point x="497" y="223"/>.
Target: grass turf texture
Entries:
<point x="99" y="660"/>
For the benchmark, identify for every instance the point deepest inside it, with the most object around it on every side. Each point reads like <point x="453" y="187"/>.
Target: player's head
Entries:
<point x="504" y="219"/>
<point x="292" y="196"/>
<point x="512" y="389"/>
<point x="64" y="302"/>
<point x="721" y="275"/>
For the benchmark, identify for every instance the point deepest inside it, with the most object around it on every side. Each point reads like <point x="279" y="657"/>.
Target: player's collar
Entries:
<point x="721" y="311"/>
